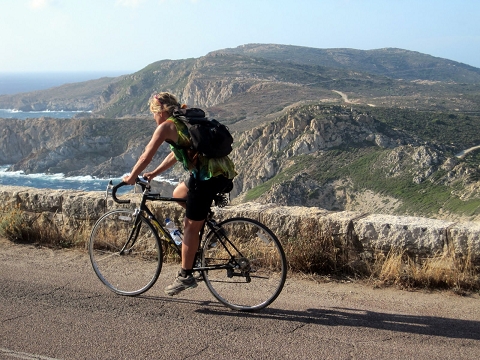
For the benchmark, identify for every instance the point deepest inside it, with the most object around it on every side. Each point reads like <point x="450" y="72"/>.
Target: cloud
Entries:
<point x="162" y="2"/>
<point x="39" y="4"/>
<point x="129" y="3"/>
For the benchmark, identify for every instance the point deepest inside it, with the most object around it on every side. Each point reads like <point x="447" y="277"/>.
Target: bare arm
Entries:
<point x="165" y="131"/>
<point x="166" y="164"/>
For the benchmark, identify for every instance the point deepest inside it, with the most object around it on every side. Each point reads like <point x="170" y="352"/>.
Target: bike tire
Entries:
<point x="255" y="254"/>
<point x="136" y="269"/>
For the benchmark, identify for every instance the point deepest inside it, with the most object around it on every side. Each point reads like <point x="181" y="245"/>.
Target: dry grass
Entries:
<point x="317" y="256"/>
<point x="170" y="254"/>
<point x="322" y="255"/>
<point x="23" y="227"/>
<point x="446" y="270"/>
<point x="325" y="256"/>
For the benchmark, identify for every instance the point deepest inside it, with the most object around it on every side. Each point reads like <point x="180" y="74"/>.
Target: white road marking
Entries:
<point x="22" y="355"/>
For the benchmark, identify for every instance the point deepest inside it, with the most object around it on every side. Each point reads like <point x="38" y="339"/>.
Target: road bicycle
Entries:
<point x="240" y="260"/>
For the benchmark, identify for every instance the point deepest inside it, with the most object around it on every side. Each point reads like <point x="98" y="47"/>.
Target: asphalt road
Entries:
<point x="52" y="306"/>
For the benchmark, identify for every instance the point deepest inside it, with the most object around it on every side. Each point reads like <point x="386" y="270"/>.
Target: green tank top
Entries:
<point x="201" y="167"/>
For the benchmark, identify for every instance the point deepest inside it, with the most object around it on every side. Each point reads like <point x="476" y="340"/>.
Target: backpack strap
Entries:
<point x="189" y="113"/>
<point x="180" y="115"/>
<point x="189" y="117"/>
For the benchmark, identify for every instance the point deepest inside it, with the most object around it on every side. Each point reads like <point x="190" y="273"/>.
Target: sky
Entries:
<point x="127" y="35"/>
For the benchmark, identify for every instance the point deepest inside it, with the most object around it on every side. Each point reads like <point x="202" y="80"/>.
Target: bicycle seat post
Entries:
<point x="210" y="214"/>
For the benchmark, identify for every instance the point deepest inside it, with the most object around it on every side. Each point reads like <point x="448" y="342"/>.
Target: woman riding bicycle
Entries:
<point x="207" y="178"/>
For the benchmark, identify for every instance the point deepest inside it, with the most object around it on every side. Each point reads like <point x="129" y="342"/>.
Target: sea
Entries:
<point x="12" y="83"/>
<point x="62" y="182"/>
<point x="23" y="115"/>
<point x="53" y="181"/>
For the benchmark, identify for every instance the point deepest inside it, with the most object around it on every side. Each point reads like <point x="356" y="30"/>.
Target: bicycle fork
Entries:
<point x="133" y="236"/>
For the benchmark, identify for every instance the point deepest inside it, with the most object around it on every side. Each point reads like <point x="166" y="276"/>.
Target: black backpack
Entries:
<point x="209" y="137"/>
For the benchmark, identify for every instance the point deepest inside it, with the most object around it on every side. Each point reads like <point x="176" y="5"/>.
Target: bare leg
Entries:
<point x="181" y="192"/>
<point x="191" y="231"/>
<point x="191" y="240"/>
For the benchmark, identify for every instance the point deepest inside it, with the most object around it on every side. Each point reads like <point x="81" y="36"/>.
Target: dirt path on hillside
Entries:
<point x="463" y="153"/>
<point x="344" y="96"/>
<point x="347" y="100"/>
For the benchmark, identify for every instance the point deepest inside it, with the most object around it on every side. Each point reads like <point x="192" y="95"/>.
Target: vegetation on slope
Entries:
<point x="363" y="168"/>
<point x="392" y="173"/>
<point x="230" y="78"/>
<point x="458" y="130"/>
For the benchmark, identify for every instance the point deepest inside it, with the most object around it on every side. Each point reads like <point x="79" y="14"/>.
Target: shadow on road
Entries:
<point x="425" y="325"/>
<point x="336" y="316"/>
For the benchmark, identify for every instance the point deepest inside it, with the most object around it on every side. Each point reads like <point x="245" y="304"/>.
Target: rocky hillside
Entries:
<point x="329" y="156"/>
<point x="389" y="62"/>
<point x="82" y="96"/>
<point x="340" y="158"/>
<point x="98" y="147"/>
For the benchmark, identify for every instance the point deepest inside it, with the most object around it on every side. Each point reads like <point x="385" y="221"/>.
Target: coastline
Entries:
<point x="23" y="115"/>
<point x="59" y="181"/>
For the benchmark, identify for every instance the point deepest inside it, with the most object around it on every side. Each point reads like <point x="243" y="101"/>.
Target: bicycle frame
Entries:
<point x="147" y="196"/>
<point x="229" y="274"/>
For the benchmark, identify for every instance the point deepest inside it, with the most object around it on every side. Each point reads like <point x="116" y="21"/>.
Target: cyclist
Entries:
<point x="207" y="178"/>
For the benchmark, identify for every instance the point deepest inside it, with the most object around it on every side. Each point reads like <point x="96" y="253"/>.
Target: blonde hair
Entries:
<point x="164" y="101"/>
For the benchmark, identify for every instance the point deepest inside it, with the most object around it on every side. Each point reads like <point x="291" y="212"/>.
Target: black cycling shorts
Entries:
<point x="201" y="193"/>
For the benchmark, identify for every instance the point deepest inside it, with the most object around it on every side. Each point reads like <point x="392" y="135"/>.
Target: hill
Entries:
<point x="329" y="156"/>
<point x="253" y="81"/>
<point x="355" y="158"/>
<point x="389" y="62"/>
<point x="82" y="96"/>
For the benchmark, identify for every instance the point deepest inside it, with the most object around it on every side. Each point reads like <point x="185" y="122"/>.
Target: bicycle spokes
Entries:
<point x="125" y="252"/>
<point x="247" y="267"/>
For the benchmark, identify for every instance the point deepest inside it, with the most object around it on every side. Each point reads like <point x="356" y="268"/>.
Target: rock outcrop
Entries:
<point x="282" y="161"/>
<point x="98" y="147"/>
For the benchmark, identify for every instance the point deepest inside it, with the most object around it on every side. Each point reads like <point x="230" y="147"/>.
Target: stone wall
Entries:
<point x="362" y="233"/>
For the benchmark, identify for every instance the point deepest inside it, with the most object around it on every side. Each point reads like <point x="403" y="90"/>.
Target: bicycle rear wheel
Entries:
<point x="125" y="252"/>
<point x="247" y="264"/>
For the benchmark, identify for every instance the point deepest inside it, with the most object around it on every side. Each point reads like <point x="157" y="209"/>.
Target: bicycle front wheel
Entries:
<point x="246" y="264"/>
<point x="125" y="252"/>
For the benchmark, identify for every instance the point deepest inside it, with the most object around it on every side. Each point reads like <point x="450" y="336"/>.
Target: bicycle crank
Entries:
<point x="242" y="264"/>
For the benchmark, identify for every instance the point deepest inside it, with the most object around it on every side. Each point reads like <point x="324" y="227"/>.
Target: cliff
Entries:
<point x="100" y="147"/>
<point x="345" y="158"/>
